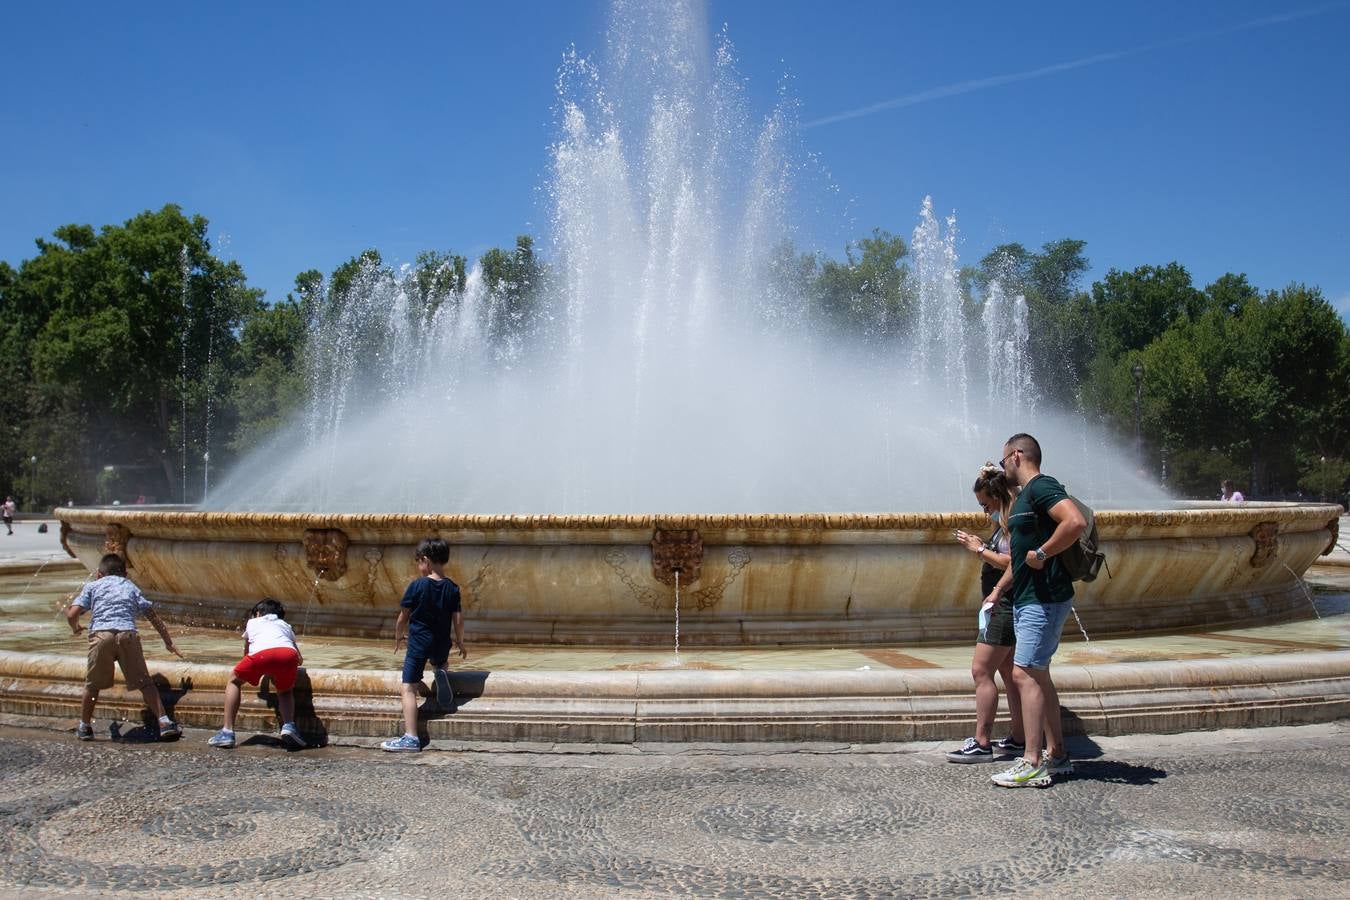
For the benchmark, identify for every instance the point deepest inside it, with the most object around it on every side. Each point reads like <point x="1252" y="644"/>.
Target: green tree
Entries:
<point x="1135" y="307"/>
<point x="514" y="278"/>
<point x="1061" y="339"/>
<point x="121" y="325"/>
<point x="869" y="294"/>
<point x="272" y="386"/>
<point x="1260" y="384"/>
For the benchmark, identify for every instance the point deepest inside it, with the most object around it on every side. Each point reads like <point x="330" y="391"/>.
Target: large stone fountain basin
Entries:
<point x="745" y="580"/>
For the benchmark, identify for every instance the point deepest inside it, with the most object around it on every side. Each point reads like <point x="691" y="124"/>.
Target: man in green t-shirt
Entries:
<point x="1042" y="523"/>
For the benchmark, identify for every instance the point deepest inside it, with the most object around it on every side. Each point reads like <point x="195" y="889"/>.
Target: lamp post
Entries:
<point x="32" y="481"/>
<point x="1137" y="370"/>
<point x="1324" y="479"/>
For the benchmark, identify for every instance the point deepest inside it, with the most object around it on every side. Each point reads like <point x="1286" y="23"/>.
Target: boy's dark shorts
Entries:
<point x="423" y="648"/>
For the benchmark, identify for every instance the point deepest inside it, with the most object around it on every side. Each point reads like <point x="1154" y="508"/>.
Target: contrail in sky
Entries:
<point x="979" y="84"/>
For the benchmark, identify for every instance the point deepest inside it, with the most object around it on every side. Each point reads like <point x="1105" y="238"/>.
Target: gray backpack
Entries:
<point x="1084" y="558"/>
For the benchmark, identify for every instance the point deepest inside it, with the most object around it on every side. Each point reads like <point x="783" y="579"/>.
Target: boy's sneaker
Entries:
<point x="445" y="692"/>
<point x="407" y="743"/>
<point x="222" y="739"/>
<point x="291" y="735"/>
<point x="971" y="752"/>
<point x="1023" y="774"/>
<point x="169" y="731"/>
<point x="84" y="732"/>
<point x="1009" y="747"/>
<point x="1056" y="765"/>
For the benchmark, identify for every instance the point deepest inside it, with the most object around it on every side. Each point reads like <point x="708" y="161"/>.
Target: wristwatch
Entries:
<point x="1040" y="554"/>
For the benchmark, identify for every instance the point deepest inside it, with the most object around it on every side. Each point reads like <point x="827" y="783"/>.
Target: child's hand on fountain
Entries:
<point x="153" y="618"/>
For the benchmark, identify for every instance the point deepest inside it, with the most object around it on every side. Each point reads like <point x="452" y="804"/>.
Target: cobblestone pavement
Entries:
<point x="1251" y="813"/>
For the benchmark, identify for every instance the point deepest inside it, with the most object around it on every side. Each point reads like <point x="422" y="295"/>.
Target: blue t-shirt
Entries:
<point x="1031" y="525"/>
<point x="113" y="602"/>
<point x="433" y="604"/>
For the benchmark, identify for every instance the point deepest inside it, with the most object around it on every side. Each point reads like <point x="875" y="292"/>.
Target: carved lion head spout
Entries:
<point x="677" y="551"/>
<point x="115" y="541"/>
<point x="1267" y="538"/>
<point x="326" y="552"/>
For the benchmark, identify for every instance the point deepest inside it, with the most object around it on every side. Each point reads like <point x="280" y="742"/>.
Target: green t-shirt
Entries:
<point x="1031" y="526"/>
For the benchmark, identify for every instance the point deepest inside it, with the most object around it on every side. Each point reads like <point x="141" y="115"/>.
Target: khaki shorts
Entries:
<point x="122" y="647"/>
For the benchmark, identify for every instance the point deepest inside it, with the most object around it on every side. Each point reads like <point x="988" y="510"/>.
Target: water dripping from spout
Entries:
<point x="1080" y="624"/>
<point x="677" y="616"/>
<point x="1306" y="593"/>
<point x="24" y="592"/>
<point x="304" y="624"/>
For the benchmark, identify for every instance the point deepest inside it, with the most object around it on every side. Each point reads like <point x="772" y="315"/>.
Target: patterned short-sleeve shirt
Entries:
<point x="114" y="603"/>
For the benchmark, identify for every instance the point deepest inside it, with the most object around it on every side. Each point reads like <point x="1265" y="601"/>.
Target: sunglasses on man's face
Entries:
<point x="1002" y="463"/>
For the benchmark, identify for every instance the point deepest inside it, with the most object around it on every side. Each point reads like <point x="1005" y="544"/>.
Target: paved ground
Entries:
<point x="29" y="547"/>
<point x="1259" y="812"/>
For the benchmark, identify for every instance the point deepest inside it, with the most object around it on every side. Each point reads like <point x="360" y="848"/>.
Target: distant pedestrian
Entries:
<point x="1043" y="523"/>
<point x="8" y="509"/>
<point x="1229" y="492"/>
<point x="113" y="603"/>
<point x="430" y="623"/>
<point x="269" y="649"/>
<point x="995" y="641"/>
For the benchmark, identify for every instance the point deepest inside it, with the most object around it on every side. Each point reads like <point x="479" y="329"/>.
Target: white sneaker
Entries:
<point x="1023" y="774"/>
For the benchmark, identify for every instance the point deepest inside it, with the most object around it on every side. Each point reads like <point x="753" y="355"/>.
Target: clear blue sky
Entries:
<point x="1215" y="133"/>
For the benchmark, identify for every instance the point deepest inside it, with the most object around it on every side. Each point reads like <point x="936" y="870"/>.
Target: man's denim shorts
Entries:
<point x="1037" y="626"/>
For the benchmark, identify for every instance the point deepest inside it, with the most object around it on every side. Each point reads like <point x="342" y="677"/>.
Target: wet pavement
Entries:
<point x="1259" y="812"/>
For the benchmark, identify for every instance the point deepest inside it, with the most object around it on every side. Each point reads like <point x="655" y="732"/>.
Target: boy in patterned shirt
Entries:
<point x="113" y="603"/>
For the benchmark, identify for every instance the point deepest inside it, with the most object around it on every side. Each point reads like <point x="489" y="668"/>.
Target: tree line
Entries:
<point x="131" y="352"/>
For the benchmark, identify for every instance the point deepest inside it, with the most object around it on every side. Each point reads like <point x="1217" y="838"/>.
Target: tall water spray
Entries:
<point x="660" y="359"/>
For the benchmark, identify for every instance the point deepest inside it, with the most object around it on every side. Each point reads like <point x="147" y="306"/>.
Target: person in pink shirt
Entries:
<point x="1230" y="492"/>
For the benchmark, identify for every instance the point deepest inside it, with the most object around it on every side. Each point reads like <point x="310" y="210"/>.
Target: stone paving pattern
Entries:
<point x="1236" y="813"/>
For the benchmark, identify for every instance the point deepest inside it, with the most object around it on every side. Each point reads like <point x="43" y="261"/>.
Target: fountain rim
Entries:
<point x="1199" y="520"/>
<point x="1184" y="513"/>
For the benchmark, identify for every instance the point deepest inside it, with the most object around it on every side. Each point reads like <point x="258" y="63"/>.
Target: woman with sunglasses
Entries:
<point x="994" y="645"/>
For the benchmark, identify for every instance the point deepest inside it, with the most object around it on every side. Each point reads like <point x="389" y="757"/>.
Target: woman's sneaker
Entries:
<point x="1023" y="774"/>
<point x="971" y="752"/>
<point x="1009" y="747"/>
<point x="169" y="730"/>
<point x="291" y="735"/>
<point x="222" y="739"/>
<point x="84" y="732"/>
<point x="406" y="744"/>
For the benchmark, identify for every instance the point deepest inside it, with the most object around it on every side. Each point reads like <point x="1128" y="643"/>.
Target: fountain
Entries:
<point x="668" y="420"/>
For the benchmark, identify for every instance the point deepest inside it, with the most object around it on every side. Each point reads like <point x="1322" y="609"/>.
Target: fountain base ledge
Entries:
<point x="348" y="706"/>
<point x="749" y="580"/>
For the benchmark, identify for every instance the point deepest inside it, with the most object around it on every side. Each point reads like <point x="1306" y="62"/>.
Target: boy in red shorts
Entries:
<point x="269" y="649"/>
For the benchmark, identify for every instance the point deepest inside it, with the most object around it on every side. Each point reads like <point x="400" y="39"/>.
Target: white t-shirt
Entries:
<point x="267" y="633"/>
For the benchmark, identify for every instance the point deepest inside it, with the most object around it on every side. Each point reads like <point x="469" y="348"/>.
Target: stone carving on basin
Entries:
<point x="768" y="579"/>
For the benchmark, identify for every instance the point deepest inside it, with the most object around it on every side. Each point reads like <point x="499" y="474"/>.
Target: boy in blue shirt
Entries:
<point x="429" y="621"/>
<point x="114" y="603"/>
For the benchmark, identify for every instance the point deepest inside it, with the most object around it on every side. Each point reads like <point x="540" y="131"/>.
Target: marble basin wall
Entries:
<point x="745" y="580"/>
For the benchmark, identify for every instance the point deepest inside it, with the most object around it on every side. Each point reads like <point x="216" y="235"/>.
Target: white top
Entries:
<point x="267" y="633"/>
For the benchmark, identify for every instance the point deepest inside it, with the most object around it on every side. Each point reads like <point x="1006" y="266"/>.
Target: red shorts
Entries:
<point x="278" y="663"/>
